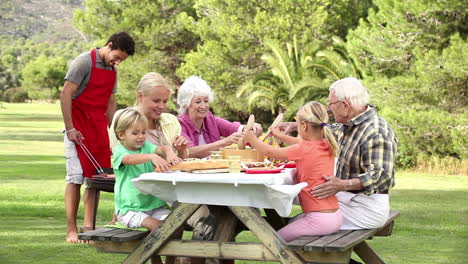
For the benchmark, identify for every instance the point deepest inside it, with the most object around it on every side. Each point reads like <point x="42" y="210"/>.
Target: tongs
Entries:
<point x="90" y="156"/>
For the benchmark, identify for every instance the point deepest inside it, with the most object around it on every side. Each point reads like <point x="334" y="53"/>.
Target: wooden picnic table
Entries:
<point x="333" y="248"/>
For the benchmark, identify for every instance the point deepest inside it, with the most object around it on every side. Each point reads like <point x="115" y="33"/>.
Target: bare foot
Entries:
<point x="72" y="237"/>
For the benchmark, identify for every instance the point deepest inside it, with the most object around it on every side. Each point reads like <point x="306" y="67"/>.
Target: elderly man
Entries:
<point x="365" y="168"/>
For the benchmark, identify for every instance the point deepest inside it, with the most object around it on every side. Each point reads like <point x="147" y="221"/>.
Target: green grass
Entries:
<point x="431" y="228"/>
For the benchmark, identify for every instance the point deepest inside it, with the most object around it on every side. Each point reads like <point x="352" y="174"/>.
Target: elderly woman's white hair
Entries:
<point x="351" y="89"/>
<point x="192" y="86"/>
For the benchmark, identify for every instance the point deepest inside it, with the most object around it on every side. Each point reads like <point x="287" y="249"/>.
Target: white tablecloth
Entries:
<point x="275" y="191"/>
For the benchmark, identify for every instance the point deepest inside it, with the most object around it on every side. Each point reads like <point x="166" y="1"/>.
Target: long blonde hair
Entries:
<point x="315" y="114"/>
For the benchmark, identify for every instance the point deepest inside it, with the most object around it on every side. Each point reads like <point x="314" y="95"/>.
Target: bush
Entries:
<point x="15" y="95"/>
<point x="424" y="134"/>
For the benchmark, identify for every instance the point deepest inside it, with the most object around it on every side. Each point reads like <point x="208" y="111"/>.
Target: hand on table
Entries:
<point x="159" y="163"/>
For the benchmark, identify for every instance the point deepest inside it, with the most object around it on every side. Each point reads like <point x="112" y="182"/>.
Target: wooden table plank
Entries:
<point x="298" y="244"/>
<point x="156" y="239"/>
<point x="90" y="234"/>
<point x="353" y="238"/>
<point x="129" y="236"/>
<point x="266" y="234"/>
<point x="110" y="234"/>
<point x="319" y="244"/>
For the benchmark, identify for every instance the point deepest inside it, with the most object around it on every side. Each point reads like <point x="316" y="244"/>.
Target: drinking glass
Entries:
<point x="216" y="155"/>
<point x="234" y="164"/>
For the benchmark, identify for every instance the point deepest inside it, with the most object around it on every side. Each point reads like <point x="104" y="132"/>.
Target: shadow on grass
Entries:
<point x="54" y="136"/>
<point x="31" y="167"/>
<point x="30" y="117"/>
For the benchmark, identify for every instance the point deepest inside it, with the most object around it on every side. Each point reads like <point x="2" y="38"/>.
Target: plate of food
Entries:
<point x="289" y="164"/>
<point x="262" y="170"/>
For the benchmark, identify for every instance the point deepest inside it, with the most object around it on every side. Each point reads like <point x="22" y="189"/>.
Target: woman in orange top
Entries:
<point x="315" y="157"/>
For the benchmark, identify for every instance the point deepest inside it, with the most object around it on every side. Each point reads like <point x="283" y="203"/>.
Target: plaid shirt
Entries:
<point x="367" y="151"/>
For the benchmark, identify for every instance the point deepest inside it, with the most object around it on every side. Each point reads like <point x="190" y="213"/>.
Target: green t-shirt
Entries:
<point x="127" y="196"/>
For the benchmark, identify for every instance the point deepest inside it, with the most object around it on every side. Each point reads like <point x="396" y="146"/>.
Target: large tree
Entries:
<point x="158" y="28"/>
<point x="414" y="58"/>
<point x="233" y="34"/>
<point x="295" y="75"/>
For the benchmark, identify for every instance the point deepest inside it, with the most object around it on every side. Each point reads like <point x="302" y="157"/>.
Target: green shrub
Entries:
<point x="15" y="95"/>
<point x="423" y="134"/>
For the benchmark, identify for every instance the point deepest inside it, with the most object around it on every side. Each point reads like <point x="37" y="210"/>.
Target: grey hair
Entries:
<point x="351" y="89"/>
<point x="192" y="86"/>
<point x="149" y="81"/>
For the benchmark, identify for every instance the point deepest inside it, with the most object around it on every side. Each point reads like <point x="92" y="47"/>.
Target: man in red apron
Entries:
<point x="88" y="105"/>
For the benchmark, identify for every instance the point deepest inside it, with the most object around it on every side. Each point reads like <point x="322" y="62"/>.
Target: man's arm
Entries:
<point x="68" y="90"/>
<point x="334" y="185"/>
<point x="111" y="108"/>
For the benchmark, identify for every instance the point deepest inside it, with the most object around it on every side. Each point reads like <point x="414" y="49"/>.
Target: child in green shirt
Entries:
<point x="132" y="157"/>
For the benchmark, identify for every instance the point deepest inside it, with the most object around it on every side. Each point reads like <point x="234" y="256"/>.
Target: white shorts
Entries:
<point x="133" y="219"/>
<point x="73" y="165"/>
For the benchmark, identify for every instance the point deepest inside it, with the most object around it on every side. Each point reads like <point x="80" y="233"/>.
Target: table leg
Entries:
<point x="226" y="229"/>
<point x="367" y="254"/>
<point x="156" y="239"/>
<point x="266" y="234"/>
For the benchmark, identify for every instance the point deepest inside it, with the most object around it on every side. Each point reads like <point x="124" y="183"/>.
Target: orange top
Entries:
<point x="314" y="159"/>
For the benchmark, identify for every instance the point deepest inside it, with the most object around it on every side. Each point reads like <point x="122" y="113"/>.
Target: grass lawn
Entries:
<point x="431" y="229"/>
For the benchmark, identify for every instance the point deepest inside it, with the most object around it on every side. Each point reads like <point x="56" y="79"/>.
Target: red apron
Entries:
<point x="89" y="117"/>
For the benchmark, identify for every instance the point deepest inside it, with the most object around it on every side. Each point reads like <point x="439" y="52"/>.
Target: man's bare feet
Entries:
<point x="72" y="237"/>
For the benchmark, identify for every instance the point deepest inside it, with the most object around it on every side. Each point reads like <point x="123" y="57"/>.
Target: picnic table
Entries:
<point x="239" y="195"/>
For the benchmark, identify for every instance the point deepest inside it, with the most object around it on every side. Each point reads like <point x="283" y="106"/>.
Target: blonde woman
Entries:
<point x="164" y="129"/>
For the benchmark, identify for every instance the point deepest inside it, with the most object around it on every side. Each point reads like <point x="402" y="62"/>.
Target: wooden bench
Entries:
<point x="334" y="248"/>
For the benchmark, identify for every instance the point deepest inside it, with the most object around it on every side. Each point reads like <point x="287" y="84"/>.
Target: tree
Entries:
<point x="413" y="56"/>
<point x="43" y="77"/>
<point x="158" y="28"/>
<point x="297" y="75"/>
<point x="8" y="80"/>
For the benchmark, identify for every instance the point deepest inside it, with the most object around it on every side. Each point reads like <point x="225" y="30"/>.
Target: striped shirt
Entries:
<point x="367" y="150"/>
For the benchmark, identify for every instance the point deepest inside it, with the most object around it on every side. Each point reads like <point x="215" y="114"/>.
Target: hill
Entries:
<point x="39" y="20"/>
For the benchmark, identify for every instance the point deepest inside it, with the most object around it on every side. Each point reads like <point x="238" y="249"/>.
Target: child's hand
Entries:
<point x="172" y="158"/>
<point x="276" y="132"/>
<point x="249" y="136"/>
<point x="159" y="163"/>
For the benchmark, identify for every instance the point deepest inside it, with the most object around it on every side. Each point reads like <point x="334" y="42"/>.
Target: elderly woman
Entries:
<point x="203" y="129"/>
<point x="152" y="96"/>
